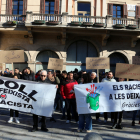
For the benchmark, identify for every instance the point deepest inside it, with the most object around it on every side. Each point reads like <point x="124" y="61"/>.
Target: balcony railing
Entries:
<point x="46" y="17"/>
<point x="66" y="19"/>
<point x="86" y="19"/>
<point x="19" y="18"/>
<point x="125" y="21"/>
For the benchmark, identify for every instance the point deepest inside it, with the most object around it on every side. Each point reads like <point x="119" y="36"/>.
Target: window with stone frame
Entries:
<point x="49" y="6"/>
<point x="17" y="7"/>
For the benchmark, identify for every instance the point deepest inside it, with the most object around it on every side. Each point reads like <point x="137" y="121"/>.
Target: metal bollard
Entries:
<point x="92" y="136"/>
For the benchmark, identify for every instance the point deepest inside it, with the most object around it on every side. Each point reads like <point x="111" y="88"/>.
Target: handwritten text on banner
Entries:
<point x="107" y="97"/>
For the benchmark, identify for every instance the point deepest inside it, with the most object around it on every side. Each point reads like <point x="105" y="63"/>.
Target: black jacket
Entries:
<point x="94" y="80"/>
<point x="30" y="77"/>
<point x="19" y="76"/>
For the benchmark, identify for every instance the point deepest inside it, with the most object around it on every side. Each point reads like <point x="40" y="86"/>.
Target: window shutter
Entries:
<point x="95" y="6"/>
<point x="125" y="11"/>
<point x="42" y="6"/>
<point x="137" y="12"/>
<point x="24" y="7"/>
<point x="9" y="7"/>
<point x="110" y="9"/>
<point x="56" y="7"/>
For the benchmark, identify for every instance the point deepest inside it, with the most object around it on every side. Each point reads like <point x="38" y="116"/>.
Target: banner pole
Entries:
<point x="12" y="66"/>
<point x="97" y="75"/>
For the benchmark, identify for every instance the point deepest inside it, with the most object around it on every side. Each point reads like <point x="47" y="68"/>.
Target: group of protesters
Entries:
<point x="65" y="98"/>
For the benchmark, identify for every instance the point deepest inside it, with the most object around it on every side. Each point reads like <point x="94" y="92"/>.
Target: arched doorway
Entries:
<point x="116" y="58"/>
<point x="77" y="53"/>
<point x="43" y="58"/>
<point x="21" y="65"/>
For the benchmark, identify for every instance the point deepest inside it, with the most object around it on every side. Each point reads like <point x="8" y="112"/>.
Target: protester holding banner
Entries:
<point x="94" y="80"/>
<point x="52" y="79"/>
<point x="115" y="125"/>
<point x="42" y="79"/>
<point x="12" y="111"/>
<point x="109" y="78"/>
<point x="135" y="112"/>
<point x="85" y="118"/>
<point x="68" y="94"/>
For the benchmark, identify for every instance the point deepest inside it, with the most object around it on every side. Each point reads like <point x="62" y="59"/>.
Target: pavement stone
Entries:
<point x="60" y="130"/>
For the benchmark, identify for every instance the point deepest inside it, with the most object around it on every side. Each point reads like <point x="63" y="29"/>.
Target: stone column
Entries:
<point x="63" y="7"/>
<point x="75" y="7"/>
<point x="28" y="17"/>
<point x="64" y="18"/>
<point x="31" y="64"/>
<point x="70" y="7"/>
<point x="98" y="8"/>
<point x="109" y="21"/>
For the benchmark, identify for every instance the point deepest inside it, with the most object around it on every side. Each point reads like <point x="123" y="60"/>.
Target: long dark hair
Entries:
<point x="86" y="78"/>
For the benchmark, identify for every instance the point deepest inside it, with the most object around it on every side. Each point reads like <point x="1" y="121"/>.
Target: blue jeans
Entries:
<point x="85" y="118"/>
<point x="135" y="114"/>
<point x="63" y="106"/>
<point x="57" y="98"/>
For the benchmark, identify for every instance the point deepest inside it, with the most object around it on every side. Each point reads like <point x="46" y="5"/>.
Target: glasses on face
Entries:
<point x="43" y="75"/>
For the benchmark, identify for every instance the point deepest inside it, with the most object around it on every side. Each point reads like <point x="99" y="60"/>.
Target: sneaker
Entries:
<point x="105" y="121"/>
<point x="133" y="123"/>
<point x="88" y="131"/>
<point x="16" y="120"/>
<point x="44" y="129"/>
<point x="139" y="122"/>
<point x="114" y="126"/>
<point x="68" y="121"/>
<point x="119" y="126"/>
<point x="10" y="120"/>
<point x="98" y="120"/>
<point x="77" y="122"/>
<point x="34" y="129"/>
<point x="79" y="130"/>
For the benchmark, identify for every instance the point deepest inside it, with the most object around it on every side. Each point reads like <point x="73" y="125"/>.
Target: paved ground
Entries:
<point x="60" y="130"/>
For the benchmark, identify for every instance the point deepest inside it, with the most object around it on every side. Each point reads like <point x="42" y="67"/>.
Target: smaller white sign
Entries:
<point x="131" y="7"/>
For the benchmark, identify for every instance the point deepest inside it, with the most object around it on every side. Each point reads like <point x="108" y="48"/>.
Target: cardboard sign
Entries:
<point x="97" y="63"/>
<point x="12" y="56"/>
<point x="130" y="71"/>
<point x="55" y="64"/>
<point x="136" y="60"/>
<point x="2" y="67"/>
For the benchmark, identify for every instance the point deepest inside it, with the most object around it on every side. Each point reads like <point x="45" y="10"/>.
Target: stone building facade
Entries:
<point x="68" y="41"/>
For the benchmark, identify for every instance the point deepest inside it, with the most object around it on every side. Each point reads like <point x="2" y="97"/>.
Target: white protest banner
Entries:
<point x="107" y="97"/>
<point x="27" y="96"/>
